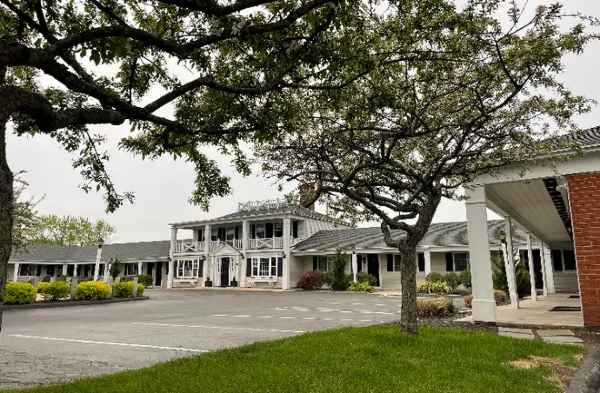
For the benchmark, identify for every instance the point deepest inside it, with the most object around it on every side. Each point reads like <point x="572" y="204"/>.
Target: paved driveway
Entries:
<point x="58" y="344"/>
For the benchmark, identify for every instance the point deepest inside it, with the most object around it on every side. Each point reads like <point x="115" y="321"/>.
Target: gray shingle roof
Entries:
<point x="448" y="234"/>
<point x="589" y="137"/>
<point x="126" y="252"/>
<point x="293" y="210"/>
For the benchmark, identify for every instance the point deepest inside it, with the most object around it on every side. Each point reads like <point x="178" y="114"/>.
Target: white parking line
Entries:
<point x="287" y="317"/>
<point x="218" y="327"/>
<point x="78" y="341"/>
<point x="220" y="315"/>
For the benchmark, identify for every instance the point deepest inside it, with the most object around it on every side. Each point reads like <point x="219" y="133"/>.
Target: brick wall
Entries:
<point x="584" y="195"/>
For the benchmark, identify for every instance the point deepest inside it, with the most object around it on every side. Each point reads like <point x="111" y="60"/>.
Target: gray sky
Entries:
<point x="162" y="187"/>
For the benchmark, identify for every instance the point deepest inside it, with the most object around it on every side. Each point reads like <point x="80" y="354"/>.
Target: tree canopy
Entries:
<point x="25" y="215"/>
<point x="69" y="231"/>
<point x="476" y="94"/>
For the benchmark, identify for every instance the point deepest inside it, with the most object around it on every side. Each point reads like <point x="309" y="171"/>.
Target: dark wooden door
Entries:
<point x="158" y="275"/>
<point x="224" y="272"/>
<point x="373" y="266"/>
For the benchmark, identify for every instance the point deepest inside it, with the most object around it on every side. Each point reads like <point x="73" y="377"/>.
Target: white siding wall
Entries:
<point x="566" y="281"/>
<point x="11" y="272"/>
<point x="438" y="262"/>
<point x="389" y="280"/>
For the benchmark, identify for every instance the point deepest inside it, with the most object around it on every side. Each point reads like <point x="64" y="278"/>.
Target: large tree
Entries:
<point x="25" y="214"/>
<point x="69" y="231"/>
<point x="180" y="73"/>
<point x="389" y="146"/>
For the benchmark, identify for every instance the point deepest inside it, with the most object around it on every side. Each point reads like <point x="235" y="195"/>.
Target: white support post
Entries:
<point x="75" y="270"/>
<point x="243" y="266"/>
<point x="207" y="239"/>
<point x="547" y="261"/>
<point x="531" y="268"/>
<point x="287" y="261"/>
<point x="354" y="266"/>
<point x="544" y="273"/>
<point x="65" y="268"/>
<point x="140" y="268"/>
<point x="97" y="265"/>
<point x="509" y="264"/>
<point x="427" y="255"/>
<point x="171" y="272"/>
<point x="16" y="272"/>
<point x="484" y="305"/>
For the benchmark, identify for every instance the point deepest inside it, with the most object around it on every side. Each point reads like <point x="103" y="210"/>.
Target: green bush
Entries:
<point x="123" y="289"/>
<point x="434" y="277"/>
<point x="438" y="287"/>
<point x="366" y="277"/>
<point x="361" y="286"/>
<point x="500" y="281"/>
<point x="140" y="289"/>
<point x="55" y="290"/>
<point x="453" y="280"/>
<point x="436" y="307"/>
<point x="327" y="278"/>
<point x="92" y="290"/>
<point x="465" y="278"/>
<point x="145" y="279"/>
<point x="339" y="280"/>
<point x="19" y="293"/>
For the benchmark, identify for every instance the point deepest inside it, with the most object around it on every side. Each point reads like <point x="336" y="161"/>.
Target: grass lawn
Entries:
<point x="372" y="359"/>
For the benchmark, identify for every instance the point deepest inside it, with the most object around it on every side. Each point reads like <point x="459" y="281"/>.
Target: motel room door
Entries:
<point x="373" y="266"/>
<point x="225" y="261"/>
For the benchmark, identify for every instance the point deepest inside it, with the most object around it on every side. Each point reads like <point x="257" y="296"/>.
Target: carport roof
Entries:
<point x="440" y="235"/>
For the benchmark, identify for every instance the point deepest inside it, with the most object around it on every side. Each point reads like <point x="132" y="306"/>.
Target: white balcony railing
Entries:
<point x="268" y="243"/>
<point x="188" y="246"/>
<point x="235" y="243"/>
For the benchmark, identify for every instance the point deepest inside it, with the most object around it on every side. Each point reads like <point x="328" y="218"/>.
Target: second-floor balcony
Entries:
<point x="265" y="243"/>
<point x="190" y="246"/>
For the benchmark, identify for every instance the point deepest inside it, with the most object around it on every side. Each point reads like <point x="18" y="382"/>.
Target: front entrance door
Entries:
<point x="225" y="272"/>
<point x="158" y="274"/>
<point x="373" y="266"/>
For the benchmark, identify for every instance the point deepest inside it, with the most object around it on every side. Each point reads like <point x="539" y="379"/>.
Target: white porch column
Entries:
<point x="244" y="248"/>
<point x="354" y="266"/>
<point x="171" y="273"/>
<point x="549" y="268"/>
<point x="98" y="259"/>
<point x="207" y="239"/>
<point x="484" y="305"/>
<point x="427" y="255"/>
<point x="16" y="272"/>
<point x="64" y="269"/>
<point x="287" y="261"/>
<point x="509" y="264"/>
<point x="531" y="268"/>
<point x="75" y="270"/>
<point x="140" y="268"/>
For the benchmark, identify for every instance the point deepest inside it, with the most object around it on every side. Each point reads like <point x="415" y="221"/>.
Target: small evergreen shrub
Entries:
<point x="361" y="286"/>
<point x="437" y="287"/>
<point x="92" y="290"/>
<point x="123" y="289"/>
<point x="140" y="289"/>
<point x="453" y="280"/>
<point x="434" y="277"/>
<point x="53" y="291"/>
<point x="19" y="293"/>
<point x="436" y="307"/>
<point x="311" y="280"/>
<point x="465" y="278"/>
<point x="366" y="277"/>
<point x="339" y="281"/>
<point x="145" y="279"/>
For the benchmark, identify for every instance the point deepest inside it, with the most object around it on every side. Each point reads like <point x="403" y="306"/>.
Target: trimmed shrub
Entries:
<point x="140" y="289"/>
<point x="434" y="277"/>
<point x="436" y="307"/>
<point x="92" y="290"/>
<point x="453" y="280"/>
<point x="55" y="290"/>
<point x="311" y="280"/>
<point x="361" y="286"/>
<point x="465" y="278"/>
<point x="19" y="293"/>
<point x="123" y="289"/>
<point x="437" y="287"/>
<point x="366" y="277"/>
<point x="499" y="276"/>
<point x="339" y="280"/>
<point x="145" y="279"/>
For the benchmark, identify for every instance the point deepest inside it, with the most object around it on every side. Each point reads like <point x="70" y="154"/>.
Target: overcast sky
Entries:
<point x="162" y="187"/>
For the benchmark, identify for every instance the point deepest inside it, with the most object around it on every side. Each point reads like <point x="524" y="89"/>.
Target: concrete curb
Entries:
<point x="587" y="377"/>
<point x="69" y="303"/>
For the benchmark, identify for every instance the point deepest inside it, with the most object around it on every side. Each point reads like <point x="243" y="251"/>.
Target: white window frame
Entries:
<point x="187" y="268"/>
<point x="264" y="267"/>
<point x="129" y="267"/>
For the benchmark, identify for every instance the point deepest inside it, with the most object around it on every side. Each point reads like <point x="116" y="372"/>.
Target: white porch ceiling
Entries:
<point x="529" y="203"/>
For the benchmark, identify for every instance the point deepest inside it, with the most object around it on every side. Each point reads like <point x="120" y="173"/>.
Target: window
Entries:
<point x="260" y="231"/>
<point x="294" y="229"/>
<point x="421" y="261"/>
<point x="278" y="229"/>
<point x="569" y="259"/>
<point x="230" y="235"/>
<point x="263" y="267"/>
<point x="188" y="268"/>
<point x="26" y="270"/>
<point x="131" y="269"/>
<point x="557" y="260"/>
<point x="393" y="262"/>
<point x="461" y="261"/>
<point x="320" y="263"/>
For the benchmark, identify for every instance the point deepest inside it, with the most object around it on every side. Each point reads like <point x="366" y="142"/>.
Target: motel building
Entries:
<point x="550" y="215"/>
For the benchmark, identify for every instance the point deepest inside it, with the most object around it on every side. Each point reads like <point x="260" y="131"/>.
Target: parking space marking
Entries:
<point x="80" y="341"/>
<point x="218" y="327"/>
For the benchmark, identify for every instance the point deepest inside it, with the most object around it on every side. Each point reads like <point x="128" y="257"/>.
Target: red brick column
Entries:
<point x="584" y="196"/>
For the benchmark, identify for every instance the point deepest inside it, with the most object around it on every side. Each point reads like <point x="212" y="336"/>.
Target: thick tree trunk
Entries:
<point x="6" y="211"/>
<point x="408" y="270"/>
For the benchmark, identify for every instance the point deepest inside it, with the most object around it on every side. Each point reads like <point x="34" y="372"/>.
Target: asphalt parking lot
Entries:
<point x="58" y="344"/>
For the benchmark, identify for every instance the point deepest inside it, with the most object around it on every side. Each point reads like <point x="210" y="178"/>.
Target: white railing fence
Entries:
<point x="267" y="243"/>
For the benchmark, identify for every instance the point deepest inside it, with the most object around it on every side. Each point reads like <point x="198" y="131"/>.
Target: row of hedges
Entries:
<point x="26" y="293"/>
<point x="316" y="280"/>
